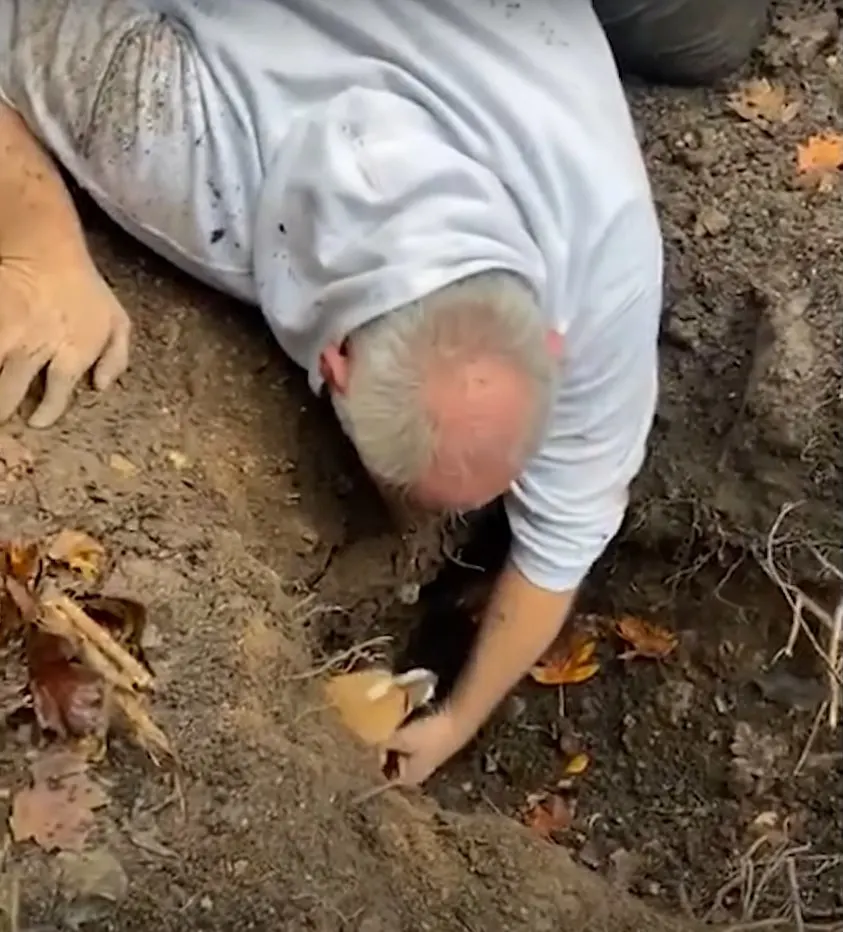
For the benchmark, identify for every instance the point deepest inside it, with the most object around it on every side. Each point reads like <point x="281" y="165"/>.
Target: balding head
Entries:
<point x="447" y="398"/>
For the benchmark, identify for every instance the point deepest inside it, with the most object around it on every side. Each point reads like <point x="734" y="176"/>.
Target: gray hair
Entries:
<point x="493" y="314"/>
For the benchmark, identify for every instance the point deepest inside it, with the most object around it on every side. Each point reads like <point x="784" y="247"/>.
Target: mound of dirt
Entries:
<point x="751" y="411"/>
<point x="230" y="509"/>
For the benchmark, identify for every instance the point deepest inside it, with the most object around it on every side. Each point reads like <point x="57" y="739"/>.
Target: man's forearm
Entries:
<point x="36" y="210"/>
<point x="520" y="623"/>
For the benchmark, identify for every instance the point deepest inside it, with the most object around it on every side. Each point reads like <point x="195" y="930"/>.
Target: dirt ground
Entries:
<point x="247" y="528"/>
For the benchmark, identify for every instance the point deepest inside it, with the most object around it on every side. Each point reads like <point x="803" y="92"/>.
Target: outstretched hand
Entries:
<point x="62" y="316"/>
<point x="422" y="746"/>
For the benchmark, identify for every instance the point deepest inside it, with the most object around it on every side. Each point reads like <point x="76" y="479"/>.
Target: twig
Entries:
<point x="799" y="602"/>
<point x="344" y="657"/>
<point x="835" y="666"/>
<point x="375" y="791"/>
<point x="795" y="896"/>
<point x="809" y="744"/>
<point x="90" y="634"/>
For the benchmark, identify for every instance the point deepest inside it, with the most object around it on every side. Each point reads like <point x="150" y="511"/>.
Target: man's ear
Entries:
<point x="555" y="342"/>
<point x="334" y="367"/>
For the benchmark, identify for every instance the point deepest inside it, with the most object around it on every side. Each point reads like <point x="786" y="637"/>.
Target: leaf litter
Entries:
<point x="763" y="103"/>
<point x="76" y="664"/>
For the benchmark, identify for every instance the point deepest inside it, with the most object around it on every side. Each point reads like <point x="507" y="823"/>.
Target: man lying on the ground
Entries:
<point x="441" y="209"/>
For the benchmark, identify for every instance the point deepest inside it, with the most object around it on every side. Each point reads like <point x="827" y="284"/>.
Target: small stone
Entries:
<point x="240" y="867"/>
<point x="711" y="222"/>
<point x="409" y="594"/>
<point x="206" y="903"/>
<point x="178" y="459"/>
<point x="123" y="466"/>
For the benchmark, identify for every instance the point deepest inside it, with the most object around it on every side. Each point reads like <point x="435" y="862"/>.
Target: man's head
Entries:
<point x="447" y="398"/>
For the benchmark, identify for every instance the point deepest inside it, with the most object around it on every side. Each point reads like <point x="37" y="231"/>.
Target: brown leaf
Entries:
<point x="57" y="812"/>
<point x="79" y="552"/>
<point x="550" y="815"/>
<point x="763" y="103"/>
<point x="374" y="703"/>
<point x="645" y="639"/>
<point x="571" y="661"/>
<point x="69" y="699"/>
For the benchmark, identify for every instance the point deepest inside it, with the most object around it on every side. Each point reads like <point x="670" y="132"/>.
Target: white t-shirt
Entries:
<point x="333" y="161"/>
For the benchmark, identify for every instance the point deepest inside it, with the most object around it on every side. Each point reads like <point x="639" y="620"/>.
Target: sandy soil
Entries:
<point x="249" y="531"/>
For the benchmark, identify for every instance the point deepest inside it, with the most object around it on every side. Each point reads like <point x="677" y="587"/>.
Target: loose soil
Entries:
<point x="249" y="530"/>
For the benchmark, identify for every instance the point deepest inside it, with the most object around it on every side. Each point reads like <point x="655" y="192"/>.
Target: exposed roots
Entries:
<point x="802" y="605"/>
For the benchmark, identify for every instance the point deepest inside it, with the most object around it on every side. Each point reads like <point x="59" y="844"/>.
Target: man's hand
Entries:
<point x="55" y="309"/>
<point x="520" y="623"/>
<point x="60" y="315"/>
<point x="425" y="744"/>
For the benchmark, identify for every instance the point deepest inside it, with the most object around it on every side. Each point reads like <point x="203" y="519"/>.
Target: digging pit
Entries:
<point x="260" y="549"/>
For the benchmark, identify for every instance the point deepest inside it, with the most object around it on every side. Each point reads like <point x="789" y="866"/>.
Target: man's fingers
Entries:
<point x="19" y="371"/>
<point x="115" y="359"/>
<point x="403" y="741"/>
<point x="61" y="380"/>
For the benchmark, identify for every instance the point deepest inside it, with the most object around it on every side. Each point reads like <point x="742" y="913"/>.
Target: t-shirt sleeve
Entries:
<point x="571" y="499"/>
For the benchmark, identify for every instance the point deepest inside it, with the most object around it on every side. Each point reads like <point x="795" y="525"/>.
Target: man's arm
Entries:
<point x="36" y="211"/>
<point x="520" y="623"/>
<point x="570" y="501"/>
<point x="56" y="312"/>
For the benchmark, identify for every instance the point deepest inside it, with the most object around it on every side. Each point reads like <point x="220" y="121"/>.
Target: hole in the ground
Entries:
<point x="666" y="783"/>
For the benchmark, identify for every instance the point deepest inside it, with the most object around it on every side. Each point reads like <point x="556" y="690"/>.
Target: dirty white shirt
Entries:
<point x="332" y="161"/>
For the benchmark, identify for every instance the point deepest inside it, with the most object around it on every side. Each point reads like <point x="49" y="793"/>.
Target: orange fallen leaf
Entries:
<point x="79" y="552"/>
<point x="820" y="158"/>
<point x="645" y="638"/>
<point x="570" y="662"/>
<point x="577" y="764"/>
<point x="550" y="814"/>
<point x="762" y="103"/>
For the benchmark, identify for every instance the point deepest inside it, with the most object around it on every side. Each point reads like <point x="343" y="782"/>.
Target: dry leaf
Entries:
<point x="550" y="814"/>
<point x="22" y="562"/>
<point x="570" y="662"/>
<point x="68" y="698"/>
<point x="79" y="552"/>
<point x="821" y="153"/>
<point x="819" y="160"/>
<point x="762" y="103"/>
<point x="57" y="811"/>
<point x="374" y="703"/>
<point x="577" y="764"/>
<point x="645" y="639"/>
